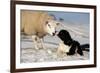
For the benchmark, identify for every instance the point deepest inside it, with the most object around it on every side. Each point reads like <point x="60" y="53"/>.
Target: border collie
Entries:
<point x="74" y="46"/>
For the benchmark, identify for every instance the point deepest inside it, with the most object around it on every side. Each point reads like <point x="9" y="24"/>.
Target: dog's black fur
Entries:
<point x="75" y="45"/>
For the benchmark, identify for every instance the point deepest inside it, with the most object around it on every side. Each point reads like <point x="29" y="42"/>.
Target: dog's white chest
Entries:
<point x="63" y="48"/>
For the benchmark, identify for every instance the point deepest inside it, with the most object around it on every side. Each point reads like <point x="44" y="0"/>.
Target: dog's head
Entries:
<point x="51" y="27"/>
<point x="64" y="36"/>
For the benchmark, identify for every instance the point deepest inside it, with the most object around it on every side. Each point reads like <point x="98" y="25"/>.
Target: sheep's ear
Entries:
<point x="57" y="24"/>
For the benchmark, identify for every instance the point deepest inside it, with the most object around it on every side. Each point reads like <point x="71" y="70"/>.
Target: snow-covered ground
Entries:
<point x="29" y="54"/>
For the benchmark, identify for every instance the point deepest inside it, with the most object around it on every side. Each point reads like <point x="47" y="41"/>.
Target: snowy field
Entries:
<point x="29" y="54"/>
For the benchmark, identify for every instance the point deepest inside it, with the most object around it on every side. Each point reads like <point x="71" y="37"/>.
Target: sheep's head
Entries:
<point x="51" y="27"/>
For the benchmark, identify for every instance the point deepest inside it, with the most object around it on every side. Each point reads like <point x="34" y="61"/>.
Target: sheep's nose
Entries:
<point x="53" y="34"/>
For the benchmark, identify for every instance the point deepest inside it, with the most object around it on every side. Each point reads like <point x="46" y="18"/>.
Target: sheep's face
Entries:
<point x="51" y="27"/>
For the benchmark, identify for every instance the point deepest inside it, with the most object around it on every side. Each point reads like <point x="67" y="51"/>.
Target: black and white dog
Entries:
<point x="74" y="45"/>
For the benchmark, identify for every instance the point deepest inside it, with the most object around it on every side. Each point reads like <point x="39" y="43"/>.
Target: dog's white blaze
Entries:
<point x="67" y="48"/>
<point x="63" y="48"/>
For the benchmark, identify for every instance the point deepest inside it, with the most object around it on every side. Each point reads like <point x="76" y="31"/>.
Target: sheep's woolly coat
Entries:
<point x="33" y="22"/>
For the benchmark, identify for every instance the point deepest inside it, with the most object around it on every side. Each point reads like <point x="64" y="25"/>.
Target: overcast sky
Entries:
<point x="73" y="17"/>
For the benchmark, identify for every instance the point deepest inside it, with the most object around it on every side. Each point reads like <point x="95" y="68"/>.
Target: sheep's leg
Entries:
<point x="42" y="43"/>
<point x="35" y="41"/>
<point x="44" y="47"/>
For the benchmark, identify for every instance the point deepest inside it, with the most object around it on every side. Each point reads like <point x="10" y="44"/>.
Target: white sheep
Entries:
<point x="37" y="24"/>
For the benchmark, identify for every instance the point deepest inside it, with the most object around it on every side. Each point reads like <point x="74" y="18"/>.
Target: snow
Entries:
<point x="29" y="54"/>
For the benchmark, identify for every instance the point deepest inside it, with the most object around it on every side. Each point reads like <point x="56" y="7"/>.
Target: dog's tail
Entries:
<point x="85" y="47"/>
